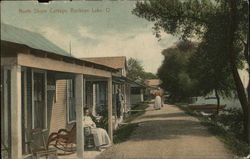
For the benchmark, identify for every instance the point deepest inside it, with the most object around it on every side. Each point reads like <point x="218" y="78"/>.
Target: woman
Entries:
<point x="101" y="138"/>
<point x="158" y="102"/>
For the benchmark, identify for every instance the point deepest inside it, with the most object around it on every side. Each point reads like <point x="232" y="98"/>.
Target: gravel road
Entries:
<point x="168" y="133"/>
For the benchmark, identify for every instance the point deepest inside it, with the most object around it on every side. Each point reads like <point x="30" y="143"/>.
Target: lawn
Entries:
<point x="136" y="111"/>
<point x="124" y="132"/>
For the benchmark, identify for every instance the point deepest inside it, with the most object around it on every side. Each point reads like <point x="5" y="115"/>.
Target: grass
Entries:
<point x="228" y="137"/>
<point x="133" y="115"/>
<point x="123" y="132"/>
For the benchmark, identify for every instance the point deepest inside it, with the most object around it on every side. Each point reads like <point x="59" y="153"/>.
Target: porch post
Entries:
<point x="110" y="120"/>
<point x="79" y="115"/>
<point x="16" y="135"/>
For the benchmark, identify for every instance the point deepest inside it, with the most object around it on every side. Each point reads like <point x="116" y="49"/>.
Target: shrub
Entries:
<point x="232" y="120"/>
<point x="103" y="122"/>
<point x="124" y="132"/>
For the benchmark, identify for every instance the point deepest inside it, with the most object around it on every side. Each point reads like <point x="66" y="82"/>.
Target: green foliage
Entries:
<point x="133" y="115"/>
<point x="222" y="28"/>
<point x="173" y="72"/>
<point x="208" y="21"/>
<point x="211" y="72"/>
<point x="149" y="75"/>
<point x="123" y="133"/>
<point x="103" y="122"/>
<point x="232" y="119"/>
<point x="238" y="147"/>
<point x="227" y="126"/>
<point x="177" y="17"/>
<point x="136" y="71"/>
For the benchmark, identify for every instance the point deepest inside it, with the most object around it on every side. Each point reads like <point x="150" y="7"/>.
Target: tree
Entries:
<point x="173" y="73"/>
<point x="195" y="18"/>
<point x="149" y="75"/>
<point x="135" y="70"/>
<point x="211" y="73"/>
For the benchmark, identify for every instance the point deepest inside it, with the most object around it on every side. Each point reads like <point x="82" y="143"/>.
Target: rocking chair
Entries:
<point x="39" y="150"/>
<point x="64" y="141"/>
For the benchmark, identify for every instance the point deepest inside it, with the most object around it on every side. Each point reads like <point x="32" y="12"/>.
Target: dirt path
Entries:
<point x="168" y="134"/>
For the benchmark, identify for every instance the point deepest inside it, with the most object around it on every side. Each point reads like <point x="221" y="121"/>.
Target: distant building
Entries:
<point x="153" y="82"/>
<point x="153" y="85"/>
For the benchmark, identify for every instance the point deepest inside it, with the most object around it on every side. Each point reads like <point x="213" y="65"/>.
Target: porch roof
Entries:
<point x="29" y="38"/>
<point x="121" y="79"/>
<point x="117" y="62"/>
<point x="35" y="46"/>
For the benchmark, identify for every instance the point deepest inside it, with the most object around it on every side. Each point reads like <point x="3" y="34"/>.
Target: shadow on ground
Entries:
<point x="168" y="130"/>
<point x="165" y="115"/>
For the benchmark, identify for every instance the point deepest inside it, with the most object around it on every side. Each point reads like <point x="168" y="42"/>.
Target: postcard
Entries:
<point x="124" y="79"/>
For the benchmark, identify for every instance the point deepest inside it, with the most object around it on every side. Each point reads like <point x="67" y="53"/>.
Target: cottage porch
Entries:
<point x="29" y="87"/>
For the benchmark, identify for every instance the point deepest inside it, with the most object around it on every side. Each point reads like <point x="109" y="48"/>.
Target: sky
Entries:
<point x="94" y="29"/>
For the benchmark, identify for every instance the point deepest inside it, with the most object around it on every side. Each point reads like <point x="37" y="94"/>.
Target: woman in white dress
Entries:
<point x="101" y="138"/>
<point x="157" y="105"/>
<point x="158" y="102"/>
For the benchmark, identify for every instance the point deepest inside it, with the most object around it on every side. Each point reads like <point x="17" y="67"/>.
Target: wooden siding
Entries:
<point x="59" y="109"/>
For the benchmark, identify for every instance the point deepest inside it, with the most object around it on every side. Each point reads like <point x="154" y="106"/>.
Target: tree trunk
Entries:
<point x="248" y="88"/>
<point x="239" y="85"/>
<point x="248" y="125"/>
<point x="218" y="101"/>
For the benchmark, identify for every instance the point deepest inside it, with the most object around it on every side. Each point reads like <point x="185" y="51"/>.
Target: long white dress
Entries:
<point x="101" y="137"/>
<point x="157" y="102"/>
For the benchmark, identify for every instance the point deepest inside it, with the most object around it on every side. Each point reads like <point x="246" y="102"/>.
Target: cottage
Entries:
<point x="43" y="87"/>
<point x="120" y="82"/>
<point x="137" y="92"/>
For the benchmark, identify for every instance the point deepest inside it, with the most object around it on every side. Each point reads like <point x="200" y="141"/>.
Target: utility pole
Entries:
<point x="70" y="48"/>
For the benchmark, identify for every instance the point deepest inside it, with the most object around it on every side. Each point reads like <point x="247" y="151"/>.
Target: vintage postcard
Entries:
<point x="125" y="79"/>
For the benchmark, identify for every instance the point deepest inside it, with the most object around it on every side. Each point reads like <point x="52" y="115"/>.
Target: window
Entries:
<point x="71" y="109"/>
<point x="39" y="100"/>
<point x="101" y="97"/>
<point x="135" y="91"/>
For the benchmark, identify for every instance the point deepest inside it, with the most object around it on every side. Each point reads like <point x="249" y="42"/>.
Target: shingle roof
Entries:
<point x="114" y="62"/>
<point x="31" y="39"/>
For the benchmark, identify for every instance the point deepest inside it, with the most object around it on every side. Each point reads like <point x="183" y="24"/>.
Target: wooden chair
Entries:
<point x="38" y="149"/>
<point x="63" y="140"/>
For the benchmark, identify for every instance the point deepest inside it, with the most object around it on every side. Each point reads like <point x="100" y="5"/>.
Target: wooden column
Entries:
<point x="16" y="135"/>
<point x="79" y="115"/>
<point x="110" y="120"/>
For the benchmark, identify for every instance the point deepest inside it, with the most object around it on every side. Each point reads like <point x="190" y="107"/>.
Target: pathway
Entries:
<point x="168" y="133"/>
